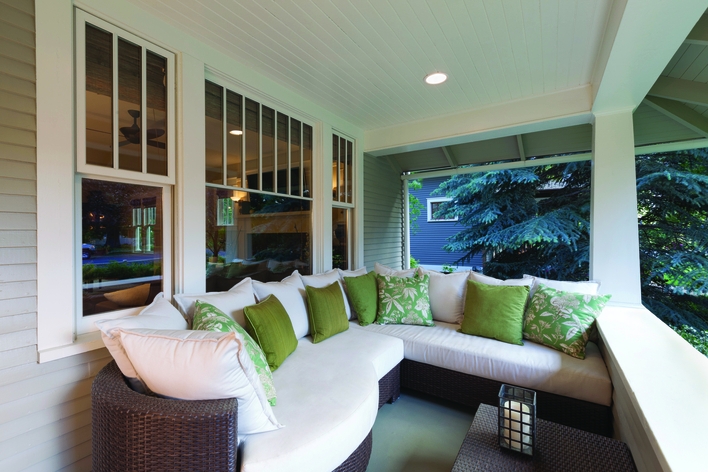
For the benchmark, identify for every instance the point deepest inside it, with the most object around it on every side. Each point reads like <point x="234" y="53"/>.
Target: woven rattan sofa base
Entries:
<point x="136" y="432"/>
<point x="390" y="386"/>
<point x="359" y="460"/>
<point x="471" y="390"/>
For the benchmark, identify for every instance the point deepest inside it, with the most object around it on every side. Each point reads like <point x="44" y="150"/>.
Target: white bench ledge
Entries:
<point x="667" y="382"/>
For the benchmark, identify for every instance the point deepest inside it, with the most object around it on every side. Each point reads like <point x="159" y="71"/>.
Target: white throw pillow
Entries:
<point x="485" y="279"/>
<point x="586" y="288"/>
<point x="385" y="270"/>
<point x="160" y="314"/>
<point x="291" y="293"/>
<point x="447" y="295"/>
<point x="326" y="279"/>
<point x="231" y="302"/>
<point x="201" y="365"/>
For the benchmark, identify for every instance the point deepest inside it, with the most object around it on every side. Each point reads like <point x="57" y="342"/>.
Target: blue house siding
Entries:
<point x="427" y="242"/>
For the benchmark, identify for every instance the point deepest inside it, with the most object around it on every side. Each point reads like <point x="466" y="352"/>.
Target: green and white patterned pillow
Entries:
<point x="403" y="300"/>
<point x="207" y="317"/>
<point x="562" y="320"/>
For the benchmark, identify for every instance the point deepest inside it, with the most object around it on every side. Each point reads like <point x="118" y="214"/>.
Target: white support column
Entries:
<point x="406" y="227"/>
<point x="614" y="238"/>
<point x="322" y="203"/>
<point x="190" y="208"/>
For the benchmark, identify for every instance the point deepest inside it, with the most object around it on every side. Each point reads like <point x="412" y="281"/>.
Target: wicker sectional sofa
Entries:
<point x="328" y="397"/>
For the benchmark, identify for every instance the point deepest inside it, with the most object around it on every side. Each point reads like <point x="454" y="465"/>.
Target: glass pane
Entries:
<point x="214" y="134"/>
<point x="294" y="157"/>
<point x="121" y="235"/>
<point x="335" y="167"/>
<point x="340" y="238"/>
<point x="252" y="143"/>
<point x="129" y="99"/>
<point x="99" y="97"/>
<point x="268" y="166"/>
<point x="267" y="237"/>
<point x="350" y="170"/>
<point x="306" y="159"/>
<point x="156" y="115"/>
<point x="283" y="176"/>
<point x="342" y="168"/>
<point x="234" y="140"/>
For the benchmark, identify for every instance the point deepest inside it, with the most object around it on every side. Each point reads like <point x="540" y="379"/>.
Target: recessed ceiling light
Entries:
<point x="435" y="78"/>
<point x="236" y="132"/>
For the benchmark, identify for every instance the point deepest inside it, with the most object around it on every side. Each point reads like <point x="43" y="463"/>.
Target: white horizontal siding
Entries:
<point x="383" y="242"/>
<point x="45" y="409"/>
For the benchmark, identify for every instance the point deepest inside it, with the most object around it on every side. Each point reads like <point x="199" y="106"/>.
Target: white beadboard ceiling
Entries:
<point x="365" y="59"/>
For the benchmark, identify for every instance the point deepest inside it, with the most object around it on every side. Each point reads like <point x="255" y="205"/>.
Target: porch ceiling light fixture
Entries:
<point x="236" y="132"/>
<point x="435" y="78"/>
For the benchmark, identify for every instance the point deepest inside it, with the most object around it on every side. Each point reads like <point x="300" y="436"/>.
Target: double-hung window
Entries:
<point x="342" y="200"/>
<point x="125" y="170"/>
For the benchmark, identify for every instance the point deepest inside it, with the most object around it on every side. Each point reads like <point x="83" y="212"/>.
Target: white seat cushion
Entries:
<point x="327" y="398"/>
<point x="531" y="365"/>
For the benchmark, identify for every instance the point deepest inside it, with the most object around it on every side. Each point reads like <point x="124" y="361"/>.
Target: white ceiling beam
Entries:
<point x="682" y="90"/>
<point x="447" y="152"/>
<point x="554" y="110"/>
<point x="679" y="112"/>
<point x="520" y="144"/>
<point x="699" y="33"/>
<point x="641" y="37"/>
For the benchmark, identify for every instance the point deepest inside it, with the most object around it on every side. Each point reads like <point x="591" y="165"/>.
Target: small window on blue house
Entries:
<point x="433" y="207"/>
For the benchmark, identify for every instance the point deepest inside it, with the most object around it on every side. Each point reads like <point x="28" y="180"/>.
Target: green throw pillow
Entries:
<point x="403" y="300"/>
<point x="325" y="308"/>
<point x="207" y="317"/>
<point x="363" y="295"/>
<point x="269" y="324"/>
<point x="495" y="311"/>
<point x="562" y="320"/>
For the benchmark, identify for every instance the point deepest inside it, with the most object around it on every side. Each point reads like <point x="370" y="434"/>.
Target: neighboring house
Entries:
<point x="430" y="233"/>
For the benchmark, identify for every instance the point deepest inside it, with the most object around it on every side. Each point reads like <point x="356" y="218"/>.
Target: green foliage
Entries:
<point x="520" y="225"/>
<point x="413" y="263"/>
<point x="449" y="268"/>
<point x="696" y="338"/>
<point x="415" y="207"/>
<point x="119" y="271"/>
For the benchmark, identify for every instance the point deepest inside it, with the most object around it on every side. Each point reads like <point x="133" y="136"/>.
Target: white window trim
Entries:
<point x="57" y="304"/>
<point x="430" y="212"/>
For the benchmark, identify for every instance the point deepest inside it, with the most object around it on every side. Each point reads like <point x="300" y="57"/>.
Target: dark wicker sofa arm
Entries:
<point x="132" y="431"/>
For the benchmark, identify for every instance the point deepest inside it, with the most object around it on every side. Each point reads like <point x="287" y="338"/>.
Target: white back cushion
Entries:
<point x="485" y="279"/>
<point x="160" y="314"/>
<point x="351" y="273"/>
<point x="201" y="365"/>
<point x="447" y="295"/>
<point x="586" y="288"/>
<point x="385" y="270"/>
<point x="231" y="302"/>
<point x="326" y="279"/>
<point x="291" y="293"/>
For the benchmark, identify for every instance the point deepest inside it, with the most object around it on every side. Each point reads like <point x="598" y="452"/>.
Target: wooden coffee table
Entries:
<point x="560" y="448"/>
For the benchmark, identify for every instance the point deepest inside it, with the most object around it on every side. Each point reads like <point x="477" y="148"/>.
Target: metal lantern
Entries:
<point x="517" y="419"/>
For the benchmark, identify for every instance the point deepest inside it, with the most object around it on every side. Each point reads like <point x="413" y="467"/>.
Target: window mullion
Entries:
<point x="275" y="150"/>
<point x="302" y="161"/>
<point x="143" y="108"/>
<point x="224" y="137"/>
<point x="290" y="157"/>
<point x="114" y="100"/>
<point x="260" y="146"/>
<point x="244" y="124"/>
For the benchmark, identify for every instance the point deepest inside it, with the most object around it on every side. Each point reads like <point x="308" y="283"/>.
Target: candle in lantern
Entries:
<point x="517" y="420"/>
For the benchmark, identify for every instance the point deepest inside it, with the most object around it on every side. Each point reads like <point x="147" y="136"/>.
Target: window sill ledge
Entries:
<point x="83" y="343"/>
